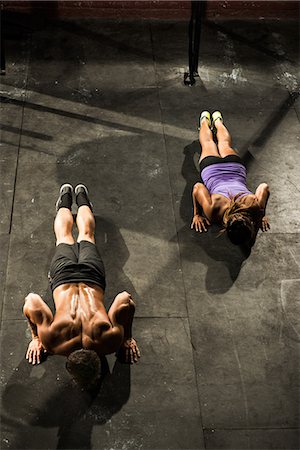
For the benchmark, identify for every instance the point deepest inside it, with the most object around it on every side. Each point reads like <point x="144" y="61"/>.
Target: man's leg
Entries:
<point x="85" y="218"/>
<point x="86" y="224"/>
<point x="63" y="226"/>
<point x="224" y="139"/>
<point x="208" y="145"/>
<point x="63" y="223"/>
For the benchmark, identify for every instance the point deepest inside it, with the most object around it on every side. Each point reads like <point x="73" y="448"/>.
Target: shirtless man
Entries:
<point x="77" y="280"/>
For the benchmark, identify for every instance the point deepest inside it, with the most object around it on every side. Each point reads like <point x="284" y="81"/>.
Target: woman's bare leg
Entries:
<point x="63" y="225"/>
<point x="86" y="224"/>
<point x="209" y="148"/>
<point x="224" y="140"/>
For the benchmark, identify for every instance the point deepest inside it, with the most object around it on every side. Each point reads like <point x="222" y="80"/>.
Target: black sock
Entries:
<point x="65" y="201"/>
<point x="81" y="199"/>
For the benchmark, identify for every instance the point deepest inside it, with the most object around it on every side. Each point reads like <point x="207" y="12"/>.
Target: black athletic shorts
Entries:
<point x="77" y="263"/>
<point x="209" y="160"/>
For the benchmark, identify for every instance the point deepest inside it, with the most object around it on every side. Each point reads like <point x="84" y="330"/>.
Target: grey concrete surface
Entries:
<point x="103" y="103"/>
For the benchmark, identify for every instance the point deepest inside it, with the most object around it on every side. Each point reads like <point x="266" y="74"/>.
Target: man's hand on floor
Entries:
<point x="34" y="351"/>
<point x="128" y="352"/>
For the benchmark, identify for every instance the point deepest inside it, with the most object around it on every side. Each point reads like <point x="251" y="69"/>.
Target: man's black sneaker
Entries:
<point x="82" y="196"/>
<point x="65" y="198"/>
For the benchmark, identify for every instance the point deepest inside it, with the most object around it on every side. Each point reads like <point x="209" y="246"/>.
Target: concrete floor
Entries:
<point x="103" y="103"/>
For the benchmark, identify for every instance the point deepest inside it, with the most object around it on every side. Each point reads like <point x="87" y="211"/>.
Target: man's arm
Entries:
<point x="262" y="194"/>
<point x="38" y="315"/>
<point x="201" y="198"/>
<point x="121" y="315"/>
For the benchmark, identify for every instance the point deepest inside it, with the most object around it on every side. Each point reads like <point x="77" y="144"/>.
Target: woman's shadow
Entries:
<point x="43" y="397"/>
<point x="222" y="258"/>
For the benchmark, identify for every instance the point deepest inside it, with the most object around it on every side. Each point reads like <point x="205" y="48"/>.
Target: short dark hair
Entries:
<point x="84" y="366"/>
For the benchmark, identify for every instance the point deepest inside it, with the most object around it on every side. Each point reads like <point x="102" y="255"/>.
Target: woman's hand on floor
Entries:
<point x="265" y="225"/>
<point x="200" y="223"/>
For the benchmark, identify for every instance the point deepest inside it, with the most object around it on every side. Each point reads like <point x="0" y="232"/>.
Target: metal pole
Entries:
<point x="2" y="40"/>
<point x="197" y="14"/>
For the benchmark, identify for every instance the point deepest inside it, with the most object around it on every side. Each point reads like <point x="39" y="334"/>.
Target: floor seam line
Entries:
<point x="174" y="217"/>
<point x="16" y="171"/>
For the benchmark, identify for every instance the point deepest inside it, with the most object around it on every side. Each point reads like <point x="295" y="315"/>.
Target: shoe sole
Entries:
<point x="60" y="191"/>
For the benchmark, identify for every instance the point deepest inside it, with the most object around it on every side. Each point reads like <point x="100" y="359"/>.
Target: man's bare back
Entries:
<point x="81" y="321"/>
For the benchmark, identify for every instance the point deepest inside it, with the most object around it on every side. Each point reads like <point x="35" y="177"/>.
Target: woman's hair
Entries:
<point x="84" y="367"/>
<point x="241" y="220"/>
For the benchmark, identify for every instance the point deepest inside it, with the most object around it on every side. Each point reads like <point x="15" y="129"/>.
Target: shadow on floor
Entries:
<point x="273" y="121"/>
<point x="114" y="253"/>
<point x="259" y="45"/>
<point x="42" y="397"/>
<point x="39" y="398"/>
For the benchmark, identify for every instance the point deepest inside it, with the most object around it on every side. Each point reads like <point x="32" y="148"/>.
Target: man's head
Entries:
<point x="84" y="367"/>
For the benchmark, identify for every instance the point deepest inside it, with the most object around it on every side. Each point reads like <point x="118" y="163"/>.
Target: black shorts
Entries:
<point x="77" y="263"/>
<point x="209" y="160"/>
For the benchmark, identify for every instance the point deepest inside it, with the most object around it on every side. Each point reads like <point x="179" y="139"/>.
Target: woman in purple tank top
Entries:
<point x="222" y="197"/>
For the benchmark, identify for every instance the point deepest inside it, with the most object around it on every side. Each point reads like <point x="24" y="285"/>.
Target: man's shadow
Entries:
<point x="114" y="253"/>
<point x="42" y="397"/>
<point x="32" y="404"/>
<point x="222" y="258"/>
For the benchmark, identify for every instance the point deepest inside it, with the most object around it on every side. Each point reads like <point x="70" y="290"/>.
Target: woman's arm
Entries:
<point x="201" y="198"/>
<point x="262" y="194"/>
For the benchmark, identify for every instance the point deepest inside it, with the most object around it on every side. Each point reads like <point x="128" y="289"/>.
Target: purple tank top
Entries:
<point x="227" y="179"/>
